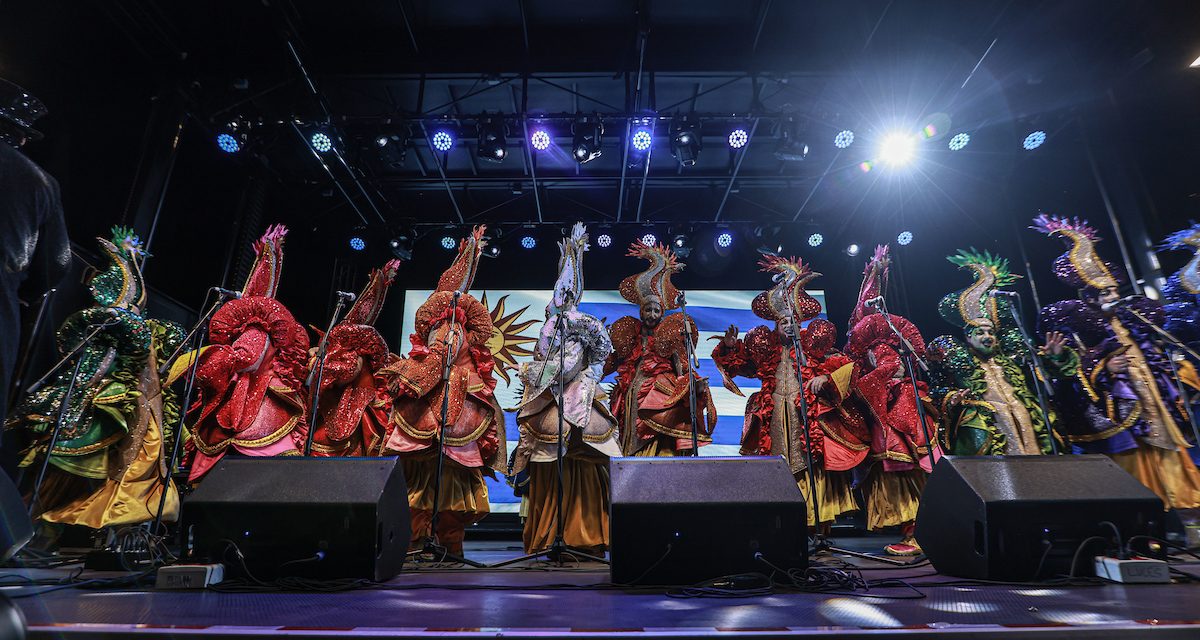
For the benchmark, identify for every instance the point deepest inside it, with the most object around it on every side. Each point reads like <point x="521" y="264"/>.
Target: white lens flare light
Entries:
<point x="897" y="149"/>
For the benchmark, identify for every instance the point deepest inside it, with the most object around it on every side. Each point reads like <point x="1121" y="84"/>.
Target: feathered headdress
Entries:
<point x="1080" y="267"/>
<point x="120" y="285"/>
<point x="461" y="273"/>
<point x="568" y="289"/>
<point x="369" y="303"/>
<point x="655" y="281"/>
<point x="787" y="297"/>
<point x="268" y="263"/>
<point x="1189" y="239"/>
<point x="975" y="304"/>
<point x="874" y="283"/>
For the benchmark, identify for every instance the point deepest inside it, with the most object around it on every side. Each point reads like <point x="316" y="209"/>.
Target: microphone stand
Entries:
<point x="14" y="390"/>
<point x="64" y="403"/>
<point x="908" y="355"/>
<point x="691" y="374"/>
<point x="1175" y="345"/>
<point x="431" y="546"/>
<point x="318" y="374"/>
<point x="559" y="547"/>
<point x="196" y="337"/>
<point x="1041" y="380"/>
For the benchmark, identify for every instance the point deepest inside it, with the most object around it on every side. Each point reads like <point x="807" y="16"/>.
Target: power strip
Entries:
<point x="1133" y="570"/>
<point x="189" y="576"/>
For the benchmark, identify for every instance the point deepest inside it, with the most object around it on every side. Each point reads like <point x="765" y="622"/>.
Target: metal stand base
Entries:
<point x="438" y="553"/>
<point x="554" y="553"/>
<point x="821" y="544"/>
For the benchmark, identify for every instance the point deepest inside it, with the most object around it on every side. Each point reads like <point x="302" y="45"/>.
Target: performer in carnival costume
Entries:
<point x="354" y="412"/>
<point x="107" y="467"/>
<point x="474" y="439"/>
<point x="250" y="379"/>
<point x="589" y="430"/>
<point x="1124" y="403"/>
<point x="900" y="450"/>
<point x="1182" y="291"/>
<point x="773" y="426"/>
<point x="651" y="397"/>
<point x="987" y="404"/>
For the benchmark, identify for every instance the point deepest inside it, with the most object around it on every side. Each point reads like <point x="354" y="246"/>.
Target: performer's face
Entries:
<point x="982" y="338"/>
<point x="651" y="312"/>
<point x="784" y="328"/>
<point x="1110" y="294"/>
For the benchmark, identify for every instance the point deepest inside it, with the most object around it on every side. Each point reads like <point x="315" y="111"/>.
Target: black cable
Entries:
<point x="1079" y="550"/>
<point x="653" y="566"/>
<point x="1042" y="562"/>
<point x="1166" y="544"/>
<point x="1121" y="551"/>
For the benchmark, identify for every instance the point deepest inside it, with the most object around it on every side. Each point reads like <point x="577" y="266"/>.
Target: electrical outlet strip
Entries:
<point x="1133" y="570"/>
<point x="189" y="576"/>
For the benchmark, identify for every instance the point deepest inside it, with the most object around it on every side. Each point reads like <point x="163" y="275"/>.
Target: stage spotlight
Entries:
<point x="233" y="135"/>
<point x="588" y="134"/>
<point x="448" y="243"/>
<point x="321" y="142"/>
<point x="492" y="139"/>
<point x="724" y="239"/>
<point x="959" y="141"/>
<point x="443" y="140"/>
<point x="228" y="143"/>
<point x="843" y="139"/>
<point x="1034" y="140"/>
<point x="815" y="240"/>
<point x="402" y="243"/>
<point x="897" y="149"/>
<point x="791" y="147"/>
<point x="540" y="139"/>
<point x="528" y="242"/>
<point x="649" y="239"/>
<point x="357" y="243"/>
<point x="904" y="238"/>
<point x="491" y="251"/>
<point x="738" y="138"/>
<point x="852" y="249"/>
<point x="681" y="244"/>
<point x="604" y="240"/>
<point x="641" y="140"/>
<point x="685" y="141"/>
<point x="381" y="141"/>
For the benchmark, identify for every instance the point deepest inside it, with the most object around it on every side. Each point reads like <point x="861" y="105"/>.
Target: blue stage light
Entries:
<point x="442" y="140"/>
<point x="843" y="139"/>
<point x="604" y="240"/>
<point x="649" y="239"/>
<point x="321" y="142"/>
<point x="528" y="242"/>
<point x="228" y="143"/>
<point x="738" y="138"/>
<point x="959" y="141"/>
<point x="852" y="249"/>
<point x="357" y="243"/>
<point x="724" y="239"/>
<point x="540" y="140"/>
<point x="904" y="238"/>
<point x="815" y="240"/>
<point x="1034" y="140"/>
<point x="448" y="243"/>
<point x="641" y="140"/>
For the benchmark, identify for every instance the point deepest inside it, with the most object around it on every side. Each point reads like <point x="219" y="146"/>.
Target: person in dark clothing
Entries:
<point x="34" y="250"/>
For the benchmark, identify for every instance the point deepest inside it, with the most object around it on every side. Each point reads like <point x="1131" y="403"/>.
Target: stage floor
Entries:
<point x="536" y="601"/>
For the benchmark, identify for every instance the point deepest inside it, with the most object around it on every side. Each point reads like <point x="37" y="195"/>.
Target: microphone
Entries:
<point x="1000" y="293"/>
<point x="876" y="302"/>
<point x="1119" y="302"/>
<point x="226" y="293"/>
<point x="457" y="293"/>
<point x="680" y="300"/>
<point x="347" y="296"/>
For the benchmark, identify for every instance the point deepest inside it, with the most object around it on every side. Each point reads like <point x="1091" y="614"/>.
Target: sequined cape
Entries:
<point x="354" y="408"/>
<point x="837" y="429"/>
<point x="1182" y="309"/>
<point x="662" y="401"/>
<point x="970" y="428"/>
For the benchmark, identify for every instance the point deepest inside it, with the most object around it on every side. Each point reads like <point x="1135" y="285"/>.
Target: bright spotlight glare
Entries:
<point x="357" y="243"/>
<point x="815" y="240"/>
<point x="959" y="141"/>
<point x="641" y="140"/>
<point x="724" y="239"/>
<point x="381" y="141"/>
<point x="528" y="242"/>
<point x="904" y="238"/>
<point x="443" y="141"/>
<point x="897" y="149"/>
<point x="1034" y="140"/>
<point x="843" y="139"/>
<point x="852" y="250"/>
<point x="738" y="138"/>
<point x="321" y="142"/>
<point x="228" y="143"/>
<point x="649" y="239"/>
<point x="540" y="140"/>
<point x="448" y="243"/>
<point x="604" y="240"/>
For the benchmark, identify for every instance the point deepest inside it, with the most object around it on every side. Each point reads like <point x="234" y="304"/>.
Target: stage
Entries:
<point x="536" y="601"/>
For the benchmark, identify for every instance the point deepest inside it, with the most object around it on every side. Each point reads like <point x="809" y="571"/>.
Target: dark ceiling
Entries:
<point x="1104" y="77"/>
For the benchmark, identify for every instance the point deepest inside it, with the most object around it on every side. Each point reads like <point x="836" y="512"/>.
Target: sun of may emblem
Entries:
<point x="506" y="343"/>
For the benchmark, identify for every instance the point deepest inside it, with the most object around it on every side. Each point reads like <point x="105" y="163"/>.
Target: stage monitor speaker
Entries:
<point x="679" y="521"/>
<point x="16" y="529"/>
<point x="304" y="517"/>
<point x="1001" y="518"/>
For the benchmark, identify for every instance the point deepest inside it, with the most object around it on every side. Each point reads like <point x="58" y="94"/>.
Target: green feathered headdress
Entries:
<point x="974" y="304"/>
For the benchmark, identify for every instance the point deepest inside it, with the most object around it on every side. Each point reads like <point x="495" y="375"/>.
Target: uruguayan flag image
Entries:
<point x="519" y="314"/>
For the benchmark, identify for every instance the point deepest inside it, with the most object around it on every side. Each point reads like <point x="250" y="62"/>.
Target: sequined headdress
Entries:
<point x="874" y="283"/>
<point x="268" y="263"/>
<point x="369" y="303"/>
<point x="120" y="285"/>
<point x="788" y="296"/>
<point x="654" y="281"/>
<point x="461" y="273"/>
<point x="568" y="289"/>
<point x="1189" y="239"/>
<point x="1079" y="267"/>
<point x="975" y="304"/>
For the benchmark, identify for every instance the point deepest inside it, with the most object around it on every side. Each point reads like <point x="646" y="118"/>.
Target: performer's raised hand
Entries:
<point x="1117" y="364"/>
<point x="817" y="384"/>
<point x="731" y="336"/>
<point x="1055" y="343"/>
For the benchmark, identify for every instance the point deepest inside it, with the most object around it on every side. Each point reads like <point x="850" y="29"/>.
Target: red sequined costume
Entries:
<point x="773" y="424"/>
<point x="899" y="458"/>
<point x="474" y="431"/>
<point x="249" y="380"/>
<point x="651" y="398"/>
<point x="354" y="411"/>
